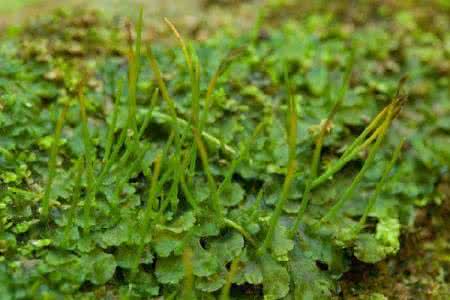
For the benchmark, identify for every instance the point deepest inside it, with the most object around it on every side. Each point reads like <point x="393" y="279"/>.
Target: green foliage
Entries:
<point x="217" y="187"/>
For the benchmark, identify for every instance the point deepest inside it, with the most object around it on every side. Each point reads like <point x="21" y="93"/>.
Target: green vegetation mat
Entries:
<point x="255" y="165"/>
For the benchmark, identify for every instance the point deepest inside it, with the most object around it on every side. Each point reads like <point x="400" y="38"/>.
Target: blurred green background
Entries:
<point x="22" y="7"/>
<point x="11" y="6"/>
<point x="16" y="12"/>
<point x="189" y="15"/>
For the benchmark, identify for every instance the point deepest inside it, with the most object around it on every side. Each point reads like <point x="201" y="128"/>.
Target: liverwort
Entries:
<point x="380" y="185"/>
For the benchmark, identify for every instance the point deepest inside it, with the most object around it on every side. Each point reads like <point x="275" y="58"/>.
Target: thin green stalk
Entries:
<point x="24" y="193"/>
<point x="124" y="137"/>
<point x="133" y="74"/>
<point x="291" y="168"/>
<point x="211" y="182"/>
<point x="186" y="191"/>
<point x="175" y="161"/>
<point x="344" y="159"/>
<point x="290" y="175"/>
<point x="132" y="78"/>
<point x="88" y="157"/>
<point x="79" y="169"/>
<point x="112" y="127"/>
<point x="240" y="229"/>
<point x="223" y="66"/>
<point x="169" y="172"/>
<point x="132" y="143"/>
<point x="372" y="126"/>
<point x="126" y="173"/>
<point x="192" y="170"/>
<point x="149" y="114"/>
<point x="245" y="149"/>
<point x="254" y="209"/>
<point x="152" y="201"/>
<point x="318" y="149"/>
<point x="357" y="146"/>
<point x="113" y="156"/>
<point x="138" y="46"/>
<point x="195" y="110"/>
<point x="149" y="210"/>
<point x="396" y="105"/>
<point x="208" y="137"/>
<point x="196" y="95"/>
<point x="162" y="86"/>
<point x="184" y="48"/>
<point x="52" y="162"/>
<point x="225" y="293"/>
<point x="194" y="72"/>
<point x="349" y="192"/>
<point x="132" y="146"/>
<point x="172" y="195"/>
<point x="188" y="284"/>
<point x="165" y="177"/>
<point x="195" y="117"/>
<point x="380" y="184"/>
<point x="195" y="87"/>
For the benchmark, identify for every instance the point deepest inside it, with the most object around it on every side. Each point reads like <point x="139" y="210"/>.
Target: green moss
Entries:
<point x="141" y="196"/>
